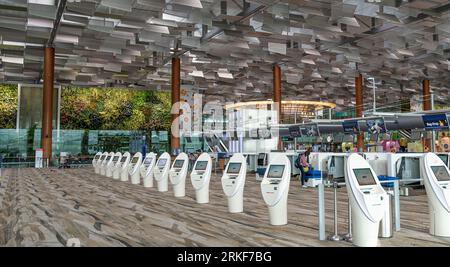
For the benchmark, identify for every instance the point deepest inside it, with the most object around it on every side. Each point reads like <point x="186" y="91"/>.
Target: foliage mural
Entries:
<point x="114" y="109"/>
<point x="8" y="106"/>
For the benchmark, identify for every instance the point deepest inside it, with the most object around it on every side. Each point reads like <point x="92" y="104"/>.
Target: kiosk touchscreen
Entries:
<point x="275" y="188"/>
<point x="110" y="164"/>
<point x="133" y="168"/>
<point x="445" y="157"/>
<point x="177" y="174"/>
<point x="200" y="176"/>
<point x="105" y="161"/>
<point x="368" y="200"/>
<point x="437" y="184"/>
<point x="146" y="169"/>
<point x="95" y="162"/>
<point x="115" y="168"/>
<point x="161" y="172"/>
<point x="124" y="161"/>
<point x="233" y="181"/>
<point x="111" y="168"/>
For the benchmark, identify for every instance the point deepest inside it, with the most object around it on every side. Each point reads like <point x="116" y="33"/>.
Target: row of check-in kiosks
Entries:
<point x="368" y="199"/>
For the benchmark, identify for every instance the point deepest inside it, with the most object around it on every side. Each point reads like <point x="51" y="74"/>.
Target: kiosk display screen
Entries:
<point x="364" y="176"/>
<point x="96" y="157"/>
<point x="162" y="162"/>
<point x="123" y="159"/>
<point x="234" y="168"/>
<point x="201" y="165"/>
<point x="444" y="158"/>
<point x="135" y="160"/>
<point x="102" y="157"/>
<point x="178" y="163"/>
<point x="108" y="158"/>
<point x="441" y="173"/>
<point x="147" y="162"/>
<point x="116" y="158"/>
<point x="276" y="171"/>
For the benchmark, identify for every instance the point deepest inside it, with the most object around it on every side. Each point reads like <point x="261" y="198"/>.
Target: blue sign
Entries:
<point x="435" y="122"/>
<point x="350" y="126"/>
<point x="376" y="126"/>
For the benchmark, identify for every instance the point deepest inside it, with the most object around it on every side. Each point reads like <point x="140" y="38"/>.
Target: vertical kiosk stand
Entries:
<point x="146" y="169"/>
<point x="105" y="160"/>
<point x="95" y="161"/>
<point x="275" y="188"/>
<point x="200" y="176"/>
<point x="178" y="173"/>
<point x="116" y="169"/>
<point x="161" y="172"/>
<point x="100" y="162"/>
<point x="233" y="181"/>
<point x="133" y="170"/>
<point x="112" y="163"/>
<point x="437" y="184"/>
<point x="108" y="163"/>
<point x="368" y="201"/>
<point x="124" y="166"/>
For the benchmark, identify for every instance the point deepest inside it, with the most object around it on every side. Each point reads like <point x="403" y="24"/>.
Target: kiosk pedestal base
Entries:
<point x="108" y="173"/>
<point x="179" y="189"/>
<point x="163" y="185"/>
<point x="439" y="222"/>
<point x="148" y="182"/>
<point x="235" y="204"/>
<point x="364" y="231"/>
<point x="124" y="176"/>
<point x="202" y="195"/>
<point x="97" y="170"/>
<point x="278" y="214"/>
<point x="136" y="178"/>
<point x="116" y="175"/>
<point x="102" y="172"/>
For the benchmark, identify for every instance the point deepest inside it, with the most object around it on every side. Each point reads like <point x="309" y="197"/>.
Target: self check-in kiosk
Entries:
<point x="116" y="169"/>
<point x="100" y="161"/>
<point x="368" y="200"/>
<point x="445" y="157"/>
<point x="133" y="168"/>
<point x="105" y="162"/>
<point x="161" y="172"/>
<point x="200" y="177"/>
<point x="437" y="184"/>
<point x="146" y="169"/>
<point x="275" y="188"/>
<point x="110" y="165"/>
<point x="95" y="162"/>
<point x="125" y="161"/>
<point x="178" y="173"/>
<point x="233" y="181"/>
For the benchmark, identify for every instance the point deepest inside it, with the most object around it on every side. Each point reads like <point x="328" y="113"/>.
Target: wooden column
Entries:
<point x="277" y="96"/>
<point x="175" y="140"/>
<point x="47" y="102"/>
<point x="426" y="95"/>
<point x="359" y="108"/>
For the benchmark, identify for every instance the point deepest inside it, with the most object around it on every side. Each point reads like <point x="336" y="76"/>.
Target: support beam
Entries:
<point x="47" y="102"/>
<point x="359" y="108"/>
<point x="426" y="95"/>
<point x="277" y="96"/>
<point x="175" y="140"/>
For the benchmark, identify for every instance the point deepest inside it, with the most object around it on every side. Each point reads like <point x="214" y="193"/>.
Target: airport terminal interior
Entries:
<point x="224" y="123"/>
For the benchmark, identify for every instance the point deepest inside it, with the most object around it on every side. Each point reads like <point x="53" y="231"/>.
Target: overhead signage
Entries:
<point x="294" y="131"/>
<point x="376" y="125"/>
<point x="309" y="130"/>
<point x="435" y="121"/>
<point x="350" y="126"/>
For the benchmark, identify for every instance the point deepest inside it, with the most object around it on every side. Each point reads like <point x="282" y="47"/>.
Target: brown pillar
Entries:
<point x="277" y="96"/>
<point x="47" y="102"/>
<point x="426" y="95"/>
<point x="359" y="108"/>
<point x="175" y="140"/>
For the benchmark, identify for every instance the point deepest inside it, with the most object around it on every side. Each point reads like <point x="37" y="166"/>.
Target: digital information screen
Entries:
<point x="376" y="126"/>
<point x="364" y="177"/>
<point x="441" y="173"/>
<point x="261" y="156"/>
<point x="135" y="160"/>
<point x="162" y="162"/>
<point x="201" y="165"/>
<point x="276" y="171"/>
<point x="178" y="163"/>
<point x="350" y="126"/>
<point x="444" y="158"/>
<point x="116" y="158"/>
<point x="234" y="167"/>
<point x="108" y="158"/>
<point x="147" y="162"/>
<point x="102" y="157"/>
<point x="96" y="157"/>
<point x="123" y="159"/>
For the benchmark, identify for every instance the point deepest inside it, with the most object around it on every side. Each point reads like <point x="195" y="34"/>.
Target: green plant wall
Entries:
<point x="8" y="106"/>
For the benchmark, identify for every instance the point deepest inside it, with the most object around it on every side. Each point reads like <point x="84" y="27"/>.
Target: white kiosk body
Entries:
<point x="112" y="164"/>
<point x="368" y="200"/>
<point x="125" y="161"/>
<point x="178" y="173"/>
<point x="133" y="168"/>
<point x="437" y="185"/>
<point x="109" y="162"/>
<point x="116" y="169"/>
<point x="233" y="181"/>
<point x="275" y="188"/>
<point x="95" y="162"/>
<point x="161" y="172"/>
<point x="105" y="161"/>
<point x="200" y="176"/>
<point x="146" y="169"/>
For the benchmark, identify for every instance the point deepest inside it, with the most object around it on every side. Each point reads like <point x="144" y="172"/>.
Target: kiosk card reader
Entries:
<point x="161" y="172"/>
<point x="233" y="181"/>
<point x="146" y="169"/>
<point x="200" y="176"/>
<point x="133" y="168"/>
<point x="108" y="157"/>
<point x="116" y="169"/>
<point x="124" y="161"/>
<point x="368" y="201"/>
<point x="437" y="184"/>
<point x="95" y="162"/>
<point x="275" y="188"/>
<point x="177" y="174"/>
<point x="111" y="164"/>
